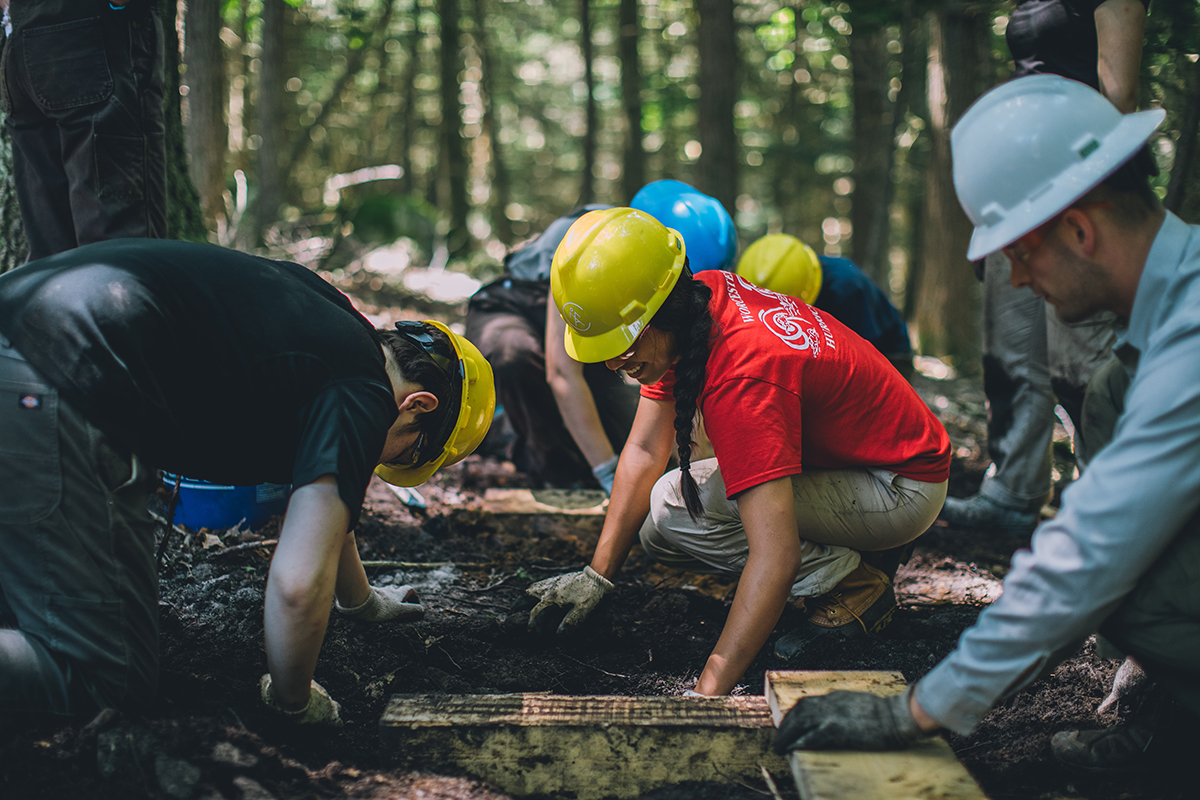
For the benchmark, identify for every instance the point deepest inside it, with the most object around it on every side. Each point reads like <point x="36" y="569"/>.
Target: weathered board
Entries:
<point x="927" y="771"/>
<point x="584" y="747"/>
<point x="575" y="502"/>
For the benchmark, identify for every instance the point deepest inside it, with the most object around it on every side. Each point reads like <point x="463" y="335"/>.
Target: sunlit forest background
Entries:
<point x="449" y="131"/>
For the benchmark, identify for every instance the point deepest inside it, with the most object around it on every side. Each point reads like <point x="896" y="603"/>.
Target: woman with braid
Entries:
<point x="827" y="463"/>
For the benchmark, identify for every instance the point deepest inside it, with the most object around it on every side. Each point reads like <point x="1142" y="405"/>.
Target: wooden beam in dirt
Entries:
<point x="586" y="747"/>
<point x="926" y="771"/>
<point x="573" y="502"/>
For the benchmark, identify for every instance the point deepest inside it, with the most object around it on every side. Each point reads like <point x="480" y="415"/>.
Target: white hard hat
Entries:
<point x="1029" y="148"/>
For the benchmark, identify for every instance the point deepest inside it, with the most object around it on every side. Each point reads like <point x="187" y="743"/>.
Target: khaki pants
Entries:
<point x="838" y="513"/>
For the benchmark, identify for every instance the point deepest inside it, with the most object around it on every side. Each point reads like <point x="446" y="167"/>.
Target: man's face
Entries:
<point x="1045" y="262"/>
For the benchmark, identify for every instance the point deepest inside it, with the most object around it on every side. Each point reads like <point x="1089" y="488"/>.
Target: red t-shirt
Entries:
<point x="790" y="388"/>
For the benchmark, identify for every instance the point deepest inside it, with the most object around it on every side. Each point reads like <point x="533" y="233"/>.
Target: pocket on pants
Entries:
<point x="86" y="631"/>
<point x="66" y="64"/>
<point x="30" y="474"/>
<point x="120" y="167"/>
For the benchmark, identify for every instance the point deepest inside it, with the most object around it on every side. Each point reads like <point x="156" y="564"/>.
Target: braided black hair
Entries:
<point x="685" y="314"/>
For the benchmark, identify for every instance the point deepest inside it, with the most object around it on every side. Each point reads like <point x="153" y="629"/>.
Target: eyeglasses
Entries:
<point x="1021" y="251"/>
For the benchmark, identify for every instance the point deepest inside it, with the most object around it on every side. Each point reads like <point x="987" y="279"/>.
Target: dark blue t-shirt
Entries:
<point x="208" y="362"/>
<point x="854" y="300"/>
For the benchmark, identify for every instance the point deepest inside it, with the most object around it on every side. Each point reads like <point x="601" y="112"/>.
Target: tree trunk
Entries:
<point x="717" y="167"/>
<point x="184" y="220"/>
<point x="452" y="169"/>
<point x="633" y="174"/>
<point x="13" y="247"/>
<point x="1183" y="191"/>
<point x="875" y="117"/>
<point x="500" y="193"/>
<point x="263" y="210"/>
<point x="947" y="316"/>
<point x="587" y="183"/>
<point x="206" y="134"/>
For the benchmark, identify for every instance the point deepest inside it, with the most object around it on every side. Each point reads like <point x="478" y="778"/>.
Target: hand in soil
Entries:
<point x="569" y="598"/>
<point x="320" y="710"/>
<point x="386" y="603"/>
<point x="848" y="721"/>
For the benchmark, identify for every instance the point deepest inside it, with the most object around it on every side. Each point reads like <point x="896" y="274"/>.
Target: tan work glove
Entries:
<point x="386" y="603"/>
<point x="580" y="592"/>
<point x="320" y="710"/>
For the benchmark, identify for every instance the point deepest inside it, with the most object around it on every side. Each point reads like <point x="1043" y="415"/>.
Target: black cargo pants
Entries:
<point x="82" y="88"/>
<point x="78" y="588"/>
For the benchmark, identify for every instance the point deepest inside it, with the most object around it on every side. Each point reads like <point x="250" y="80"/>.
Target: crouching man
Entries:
<point x="126" y="356"/>
<point x="1041" y="166"/>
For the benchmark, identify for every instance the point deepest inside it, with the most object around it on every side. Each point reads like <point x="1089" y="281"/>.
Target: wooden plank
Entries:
<point x="926" y="771"/>
<point x="573" y="502"/>
<point x="589" y="747"/>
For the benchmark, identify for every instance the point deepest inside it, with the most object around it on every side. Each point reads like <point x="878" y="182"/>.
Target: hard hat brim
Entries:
<point x="1118" y="147"/>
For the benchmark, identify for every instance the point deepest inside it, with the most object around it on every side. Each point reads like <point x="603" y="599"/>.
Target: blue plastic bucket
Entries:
<point x="210" y="505"/>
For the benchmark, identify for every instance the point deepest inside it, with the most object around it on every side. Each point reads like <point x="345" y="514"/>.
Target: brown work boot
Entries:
<point x="863" y="602"/>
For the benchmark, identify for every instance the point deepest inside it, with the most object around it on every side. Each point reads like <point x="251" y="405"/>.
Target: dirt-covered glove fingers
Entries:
<point x="546" y="616"/>
<point x="574" y="595"/>
<point x="525" y="602"/>
<point x="576" y="616"/>
<point x="321" y="709"/>
<point x="848" y="721"/>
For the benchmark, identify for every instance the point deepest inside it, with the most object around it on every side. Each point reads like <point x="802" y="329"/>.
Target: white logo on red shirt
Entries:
<point x="786" y="321"/>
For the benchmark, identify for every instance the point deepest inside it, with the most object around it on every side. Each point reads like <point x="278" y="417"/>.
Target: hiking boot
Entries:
<point x="862" y="603"/>
<point x="889" y="561"/>
<point x="980" y="512"/>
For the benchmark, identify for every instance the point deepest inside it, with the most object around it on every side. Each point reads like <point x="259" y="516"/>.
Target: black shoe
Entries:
<point x="979" y="512"/>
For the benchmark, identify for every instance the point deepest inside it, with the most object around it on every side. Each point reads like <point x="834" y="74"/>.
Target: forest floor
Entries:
<point x="209" y="737"/>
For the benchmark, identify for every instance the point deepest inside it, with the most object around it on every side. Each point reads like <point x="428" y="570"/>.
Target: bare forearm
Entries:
<point x="627" y="509"/>
<point x="579" y="413"/>
<point x="1120" y="28"/>
<point x="300" y="586"/>
<point x="352" y="584"/>
<point x="762" y="593"/>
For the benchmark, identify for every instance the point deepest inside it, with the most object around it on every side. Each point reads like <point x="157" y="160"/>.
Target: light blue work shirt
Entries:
<point x="1115" y="521"/>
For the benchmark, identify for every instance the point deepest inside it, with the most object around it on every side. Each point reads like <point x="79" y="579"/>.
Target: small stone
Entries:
<point x="252" y="789"/>
<point x="228" y="753"/>
<point x="176" y="777"/>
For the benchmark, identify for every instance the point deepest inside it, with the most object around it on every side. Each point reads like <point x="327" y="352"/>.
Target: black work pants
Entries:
<point x="82" y="88"/>
<point x="514" y="344"/>
<point x="78" y="588"/>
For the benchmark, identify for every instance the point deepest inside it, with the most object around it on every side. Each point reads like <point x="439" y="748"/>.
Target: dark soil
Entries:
<point x="209" y="737"/>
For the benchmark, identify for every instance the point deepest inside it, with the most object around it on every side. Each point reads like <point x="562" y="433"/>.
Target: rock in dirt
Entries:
<point x="252" y="789"/>
<point x="228" y="753"/>
<point x="176" y="777"/>
<point x="125" y="751"/>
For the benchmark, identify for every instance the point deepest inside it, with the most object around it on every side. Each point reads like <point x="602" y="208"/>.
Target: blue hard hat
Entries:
<point x="705" y="225"/>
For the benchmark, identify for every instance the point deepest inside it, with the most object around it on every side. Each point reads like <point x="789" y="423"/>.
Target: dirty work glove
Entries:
<point x="580" y="592"/>
<point x="321" y="709"/>
<point x="606" y="473"/>
<point x="386" y="603"/>
<point x="848" y="721"/>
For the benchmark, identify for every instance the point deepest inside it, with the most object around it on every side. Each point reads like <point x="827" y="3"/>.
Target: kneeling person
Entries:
<point x="131" y="354"/>
<point x="823" y="451"/>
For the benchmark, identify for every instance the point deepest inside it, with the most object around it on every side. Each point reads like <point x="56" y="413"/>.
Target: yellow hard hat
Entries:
<point x="783" y="264"/>
<point x="611" y="273"/>
<point x="476" y="407"/>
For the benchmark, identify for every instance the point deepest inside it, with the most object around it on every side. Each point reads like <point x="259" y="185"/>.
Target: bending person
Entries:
<point x="1045" y="167"/>
<point x="568" y="418"/>
<point x="822" y="450"/>
<point x="122" y="356"/>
